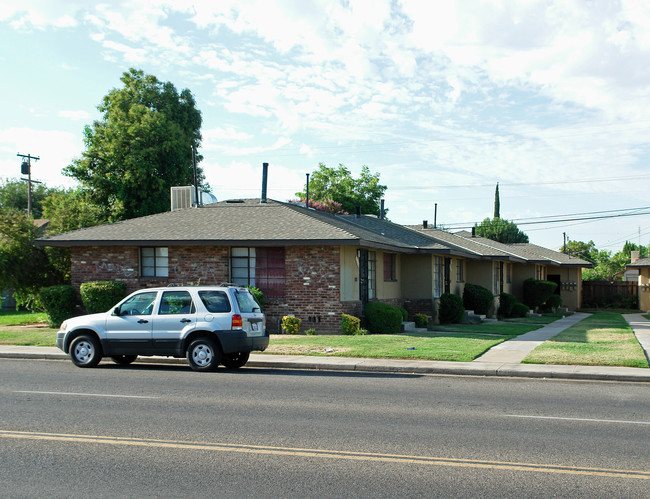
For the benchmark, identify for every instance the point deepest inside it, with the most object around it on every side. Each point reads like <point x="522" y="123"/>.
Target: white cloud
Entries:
<point x="74" y="115"/>
<point x="55" y="150"/>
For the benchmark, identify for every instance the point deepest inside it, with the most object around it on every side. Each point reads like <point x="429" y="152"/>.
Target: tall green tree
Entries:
<point x="69" y="210"/>
<point x="140" y="147"/>
<point x="497" y="203"/>
<point x="337" y="184"/>
<point x="579" y="249"/>
<point x="501" y="230"/>
<point x="24" y="268"/>
<point x="13" y="196"/>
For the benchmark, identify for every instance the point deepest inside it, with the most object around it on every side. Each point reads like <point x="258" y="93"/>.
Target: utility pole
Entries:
<point x="26" y="169"/>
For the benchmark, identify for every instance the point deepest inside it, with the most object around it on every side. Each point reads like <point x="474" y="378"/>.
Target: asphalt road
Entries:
<point x="162" y="431"/>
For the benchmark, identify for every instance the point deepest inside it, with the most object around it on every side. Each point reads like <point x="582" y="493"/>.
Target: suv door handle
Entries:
<point x="143" y="321"/>
<point x="186" y="320"/>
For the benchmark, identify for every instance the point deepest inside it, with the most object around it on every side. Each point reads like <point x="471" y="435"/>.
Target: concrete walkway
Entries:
<point x="515" y="350"/>
<point x="641" y="327"/>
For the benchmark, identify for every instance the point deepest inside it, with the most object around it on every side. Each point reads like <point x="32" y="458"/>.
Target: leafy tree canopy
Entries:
<point x="608" y="265"/>
<point x="13" y="196"/>
<point x="501" y="230"/>
<point x="337" y="185"/>
<point x="24" y="267"/>
<point x="579" y="249"/>
<point x="140" y="147"/>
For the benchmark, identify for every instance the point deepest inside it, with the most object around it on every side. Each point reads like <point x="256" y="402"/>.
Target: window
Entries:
<point x="540" y="272"/>
<point x="215" y="301"/>
<point x="140" y="304"/>
<point x="262" y="268"/>
<point x="508" y="273"/>
<point x="176" y="302"/>
<point x="389" y="267"/>
<point x="438" y="277"/>
<point x="154" y="262"/>
<point x="497" y="277"/>
<point x="372" y="275"/>
<point x="460" y="270"/>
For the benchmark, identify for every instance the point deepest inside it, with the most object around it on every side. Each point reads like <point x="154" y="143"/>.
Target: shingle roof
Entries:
<point x="469" y="245"/>
<point x="248" y="222"/>
<point x="640" y="263"/>
<point x="530" y="252"/>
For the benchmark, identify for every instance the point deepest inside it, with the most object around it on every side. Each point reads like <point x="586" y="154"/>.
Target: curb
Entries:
<point x="482" y="369"/>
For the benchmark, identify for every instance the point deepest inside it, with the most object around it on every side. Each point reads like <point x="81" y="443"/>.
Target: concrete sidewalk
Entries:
<point x="366" y="365"/>
<point x="641" y="327"/>
<point x="516" y="349"/>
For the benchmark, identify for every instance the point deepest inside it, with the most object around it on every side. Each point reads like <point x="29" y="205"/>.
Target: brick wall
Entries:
<point x="187" y="265"/>
<point x="312" y="289"/>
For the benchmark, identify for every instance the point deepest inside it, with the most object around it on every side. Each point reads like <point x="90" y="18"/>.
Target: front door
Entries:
<point x="364" y="294"/>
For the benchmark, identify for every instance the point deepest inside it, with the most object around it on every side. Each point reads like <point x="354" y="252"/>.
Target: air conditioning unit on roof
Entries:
<point x="183" y="197"/>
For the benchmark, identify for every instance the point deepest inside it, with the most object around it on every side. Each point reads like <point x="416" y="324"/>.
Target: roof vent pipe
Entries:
<point x="265" y="176"/>
<point x="425" y="224"/>
<point x="307" y="193"/>
<point x="381" y="210"/>
<point x="435" y="216"/>
<point x="358" y="211"/>
<point x="473" y="231"/>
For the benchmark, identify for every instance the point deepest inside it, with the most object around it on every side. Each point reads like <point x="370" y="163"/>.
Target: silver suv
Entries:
<point x="210" y="325"/>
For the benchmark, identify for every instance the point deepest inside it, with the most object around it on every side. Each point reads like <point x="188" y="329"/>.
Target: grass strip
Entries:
<point x="603" y="339"/>
<point x="450" y="346"/>
<point x="36" y="336"/>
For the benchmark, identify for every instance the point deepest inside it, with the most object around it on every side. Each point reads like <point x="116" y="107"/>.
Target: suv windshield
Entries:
<point x="246" y="302"/>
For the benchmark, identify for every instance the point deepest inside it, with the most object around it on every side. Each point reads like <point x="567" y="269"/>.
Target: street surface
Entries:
<point x="164" y="430"/>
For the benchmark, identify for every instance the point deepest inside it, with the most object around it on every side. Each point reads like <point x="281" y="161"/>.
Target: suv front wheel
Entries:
<point x="85" y="351"/>
<point x="204" y="354"/>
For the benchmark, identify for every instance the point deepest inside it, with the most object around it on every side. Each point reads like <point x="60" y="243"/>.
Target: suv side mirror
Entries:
<point x="116" y="311"/>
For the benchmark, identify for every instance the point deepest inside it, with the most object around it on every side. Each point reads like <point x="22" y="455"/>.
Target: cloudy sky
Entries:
<point x="443" y="98"/>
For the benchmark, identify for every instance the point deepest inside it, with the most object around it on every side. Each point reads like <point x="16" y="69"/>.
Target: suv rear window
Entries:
<point x="246" y="302"/>
<point x="215" y="301"/>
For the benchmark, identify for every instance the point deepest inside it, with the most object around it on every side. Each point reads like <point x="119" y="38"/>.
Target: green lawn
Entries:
<point x="603" y="339"/>
<point x="13" y="317"/>
<point x="38" y="336"/>
<point x="458" y="342"/>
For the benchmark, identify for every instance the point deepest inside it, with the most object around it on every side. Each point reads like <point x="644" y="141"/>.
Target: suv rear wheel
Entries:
<point x="124" y="360"/>
<point x="85" y="351"/>
<point x="204" y="354"/>
<point x="235" y="360"/>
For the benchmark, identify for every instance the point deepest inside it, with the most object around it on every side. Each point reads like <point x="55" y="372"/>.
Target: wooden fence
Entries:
<point x="619" y="294"/>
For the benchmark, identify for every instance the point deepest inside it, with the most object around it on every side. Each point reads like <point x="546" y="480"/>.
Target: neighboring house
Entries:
<point x="308" y="263"/>
<point x="642" y="266"/>
<point x="509" y="265"/>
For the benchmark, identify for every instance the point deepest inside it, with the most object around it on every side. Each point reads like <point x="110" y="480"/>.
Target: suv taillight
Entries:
<point x="236" y="322"/>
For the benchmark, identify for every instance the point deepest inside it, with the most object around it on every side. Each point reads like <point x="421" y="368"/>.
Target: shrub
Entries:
<point x="506" y="302"/>
<point x="478" y="299"/>
<point x="520" y="310"/>
<point x="258" y="295"/>
<point x="350" y="324"/>
<point x="405" y="314"/>
<point x="100" y="296"/>
<point x="383" y="318"/>
<point x="291" y="324"/>
<point x="537" y="292"/>
<point x="59" y="302"/>
<point x="421" y="320"/>
<point x="451" y="309"/>
<point x="310" y="332"/>
<point x="361" y="332"/>
<point x="554" y="301"/>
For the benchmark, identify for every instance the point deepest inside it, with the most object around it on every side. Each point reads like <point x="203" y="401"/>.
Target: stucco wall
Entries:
<point x="417" y="276"/>
<point x="644" y="289"/>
